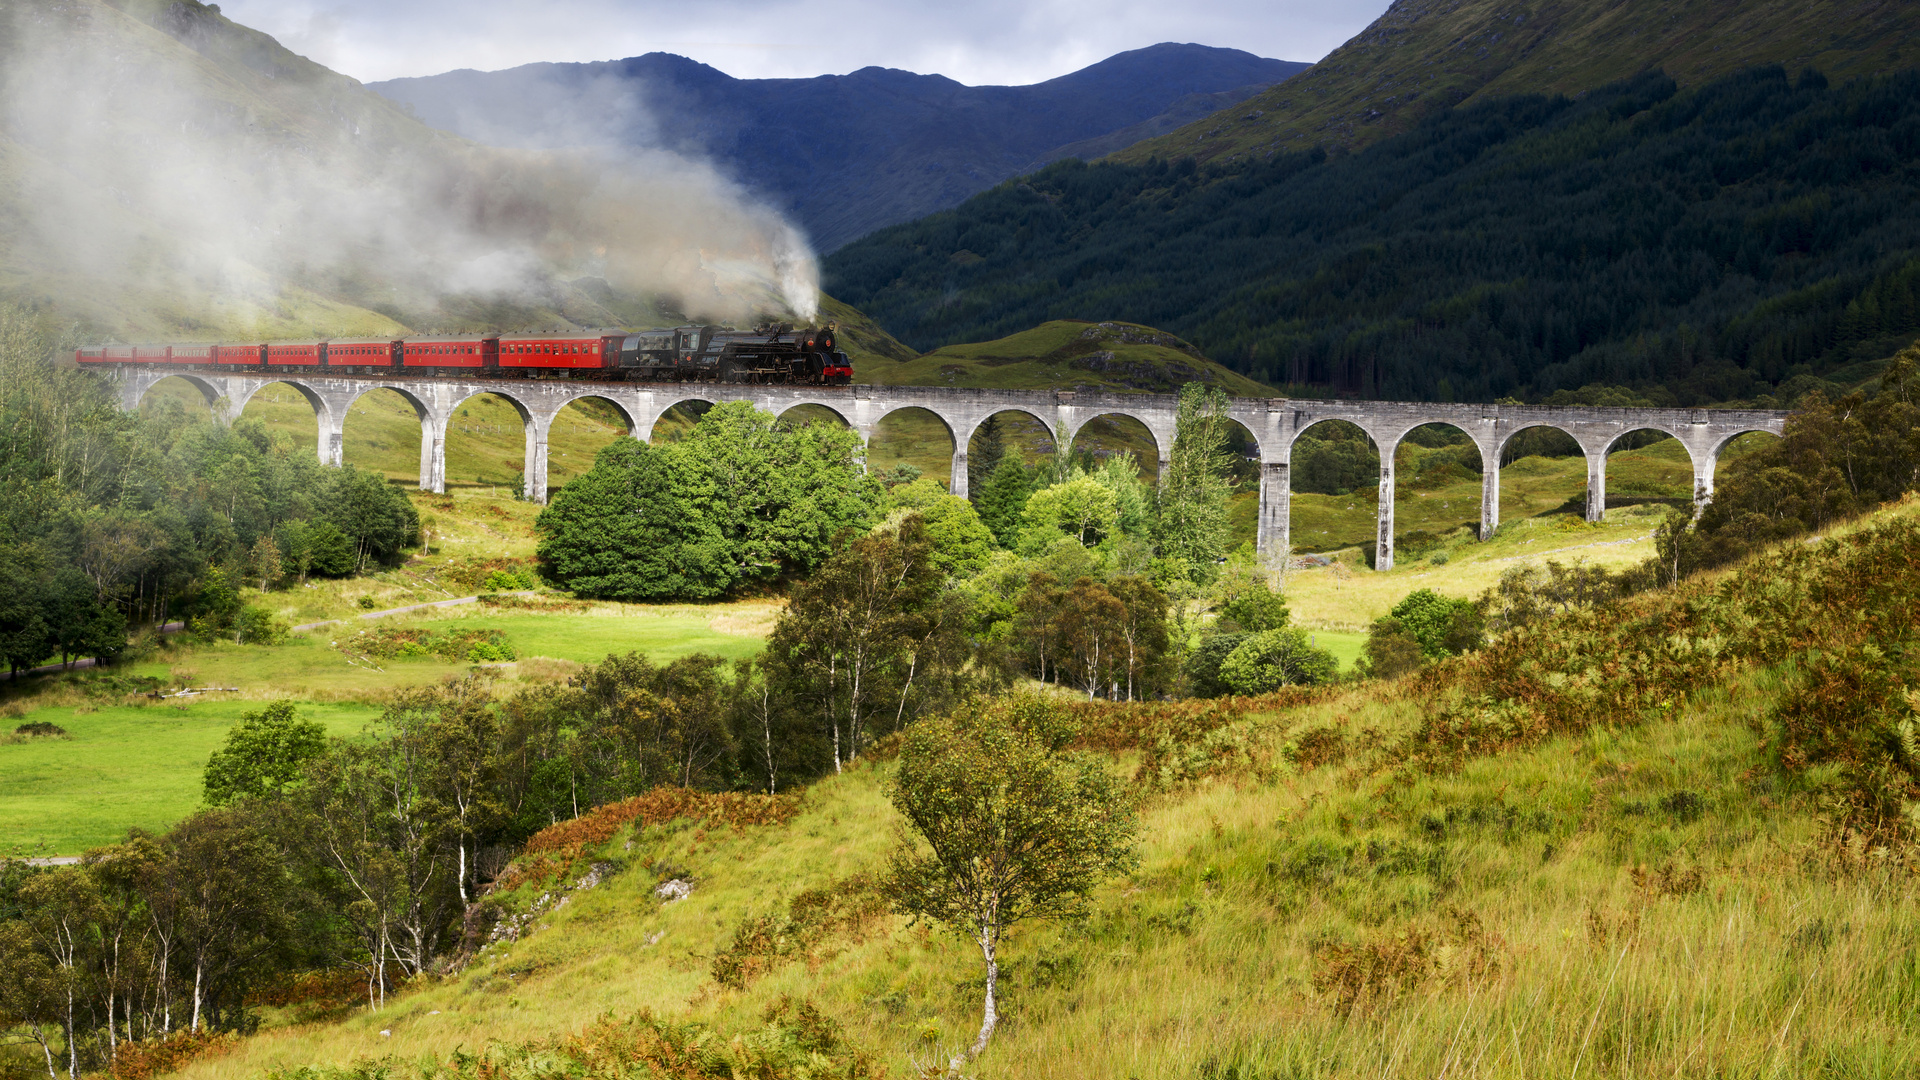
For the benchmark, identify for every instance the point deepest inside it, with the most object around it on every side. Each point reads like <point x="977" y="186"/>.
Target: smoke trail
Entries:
<point x="236" y="184"/>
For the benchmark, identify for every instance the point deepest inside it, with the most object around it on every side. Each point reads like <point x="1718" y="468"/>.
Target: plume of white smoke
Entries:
<point x="242" y="172"/>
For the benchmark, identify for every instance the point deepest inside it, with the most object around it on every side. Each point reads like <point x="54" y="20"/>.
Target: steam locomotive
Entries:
<point x="777" y="353"/>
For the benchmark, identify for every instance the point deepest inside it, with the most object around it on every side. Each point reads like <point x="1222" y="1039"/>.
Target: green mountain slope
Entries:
<point x="1707" y="244"/>
<point x="1067" y="355"/>
<point x="1638" y="840"/>
<point x="1425" y="56"/>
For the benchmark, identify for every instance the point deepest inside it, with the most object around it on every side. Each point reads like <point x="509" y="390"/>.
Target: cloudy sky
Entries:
<point x="980" y="42"/>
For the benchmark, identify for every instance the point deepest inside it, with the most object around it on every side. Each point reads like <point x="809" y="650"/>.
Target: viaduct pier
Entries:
<point x="1273" y="423"/>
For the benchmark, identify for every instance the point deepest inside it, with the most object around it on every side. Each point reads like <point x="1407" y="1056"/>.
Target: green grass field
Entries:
<point x="140" y="764"/>
<point x="124" y="766"/>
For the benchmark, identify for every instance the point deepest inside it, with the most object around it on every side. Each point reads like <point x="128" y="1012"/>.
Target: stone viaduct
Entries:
<point x="1274" y="424"/>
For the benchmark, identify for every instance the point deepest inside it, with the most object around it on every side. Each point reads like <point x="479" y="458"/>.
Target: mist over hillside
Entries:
<point x="844" y="154"/>
<point x="209" y="181"/>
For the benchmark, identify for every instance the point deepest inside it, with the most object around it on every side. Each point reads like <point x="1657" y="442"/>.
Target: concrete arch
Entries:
<point x="420" y="408"/>
<point x="207" y="390"/>
<point x="1707" y="461"/>
<point x="1664" y="429"/>
<point x="313" y="398"/>
<point x="1592" y="451"/>
<point x="433" y="431"/>
<point x="1721" y="439"/>
<point x="1158" y="452"/>
<point x="1501" y="449"/>
<point x="560" y="404"/>
<point x="1300" y="433"/>
<point x="974" y="427"/>
<point x="837" y="414"/>
<point x="957" y="449"/>
<point x="945" y="421"/>
<point x="963" y="444"/>
<point x="328" y="415"/>
<point x="526" y="413"/>
<point x="533" y="462"/>
<point x="667" y="406"/>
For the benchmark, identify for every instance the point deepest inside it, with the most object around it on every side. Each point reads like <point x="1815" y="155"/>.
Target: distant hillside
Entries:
<point x="1423" y="56"/>
<point x="842" y="154"/>
<point x="219" y="184"/>
<point x="1740" y="240"/>
<point x="1066" y="355"/>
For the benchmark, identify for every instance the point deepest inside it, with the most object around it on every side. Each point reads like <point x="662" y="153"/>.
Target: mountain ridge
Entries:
<point x="924" y="142"/>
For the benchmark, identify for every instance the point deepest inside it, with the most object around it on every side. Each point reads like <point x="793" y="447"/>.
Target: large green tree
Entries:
<point x="741" y="498"/>
<point x="628" y="530"/>
<point x="264" y="755"/>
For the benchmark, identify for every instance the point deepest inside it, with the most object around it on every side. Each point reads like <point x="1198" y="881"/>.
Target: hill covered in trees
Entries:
<point x="1422" y="57"/>
<point x="1741" y="240"/>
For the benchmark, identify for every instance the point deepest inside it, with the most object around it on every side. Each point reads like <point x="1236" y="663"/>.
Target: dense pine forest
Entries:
<point x="1746" y="240"/>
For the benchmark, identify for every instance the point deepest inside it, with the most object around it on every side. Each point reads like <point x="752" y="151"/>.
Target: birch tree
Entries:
<point x="1002" y="826"/>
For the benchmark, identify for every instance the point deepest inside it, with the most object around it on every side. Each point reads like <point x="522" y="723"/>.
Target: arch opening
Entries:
<point x="189" y="400"/>
<point x="1648" y="468"/>
<point x="1437" y="484"/>
<point x="1114" y="435"/>
<point x="914" y="437"/>
<point x="1333" y="487"/>
<point x="381" y="433"/>
<point x="486" y="445"/>
<point x="809" y="412"/>
<point x="578" y="432"/>
<point x="677" y="421"/>
<point x="1743" y="444"/>
<point x="1543" y="473"/>
<point x="1243" y="494"/>
<point x="1009" y="435"/>
<point x="286" y="410"/>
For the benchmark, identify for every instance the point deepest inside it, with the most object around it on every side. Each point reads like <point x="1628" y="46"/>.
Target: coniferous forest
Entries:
<point x="1738" y="241"/>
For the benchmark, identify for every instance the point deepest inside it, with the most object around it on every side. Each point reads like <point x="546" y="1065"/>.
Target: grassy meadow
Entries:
<point x="127" y="762"/>
<point x="1641" y="895"/>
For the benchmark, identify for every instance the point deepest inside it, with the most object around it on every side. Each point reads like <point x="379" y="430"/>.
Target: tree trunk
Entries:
<point x="990" y="1016"/>
<point x="766" y="728"/>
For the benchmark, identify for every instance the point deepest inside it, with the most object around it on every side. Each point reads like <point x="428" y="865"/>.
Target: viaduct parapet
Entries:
<point x="1274" y="424"/>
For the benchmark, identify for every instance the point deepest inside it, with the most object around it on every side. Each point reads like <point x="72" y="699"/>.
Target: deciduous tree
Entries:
<point x="1002" y="826"/>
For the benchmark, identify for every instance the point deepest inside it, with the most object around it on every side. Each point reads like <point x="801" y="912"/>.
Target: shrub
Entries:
<point x="1391" y="650"/>
<point x="1203" y="663"/>
<point x="1250" y="603"/>
<point x="1274" y="658"/>
<point x="511" y="579"/>
<point x="1442" y="626"/>
<point x="412" y="643"/>
<point x="257" y="626"/>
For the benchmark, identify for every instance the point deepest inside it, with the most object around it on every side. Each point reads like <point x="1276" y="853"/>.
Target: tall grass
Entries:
<point x="1581" y="853"/>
